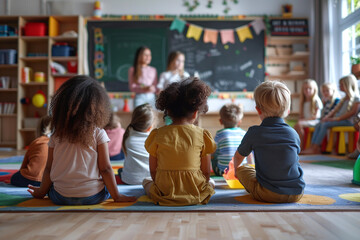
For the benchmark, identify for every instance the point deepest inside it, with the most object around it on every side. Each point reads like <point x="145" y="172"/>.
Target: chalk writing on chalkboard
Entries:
<point x="289" y="27"/>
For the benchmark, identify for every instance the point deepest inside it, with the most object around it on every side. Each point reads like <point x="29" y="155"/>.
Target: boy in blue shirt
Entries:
<point x="228" y="139"/>
<point x="277" y="176"/>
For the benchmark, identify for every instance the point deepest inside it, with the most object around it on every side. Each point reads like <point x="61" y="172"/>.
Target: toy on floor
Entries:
<point x="356" y="174"/>
<point x="230" y="178"/>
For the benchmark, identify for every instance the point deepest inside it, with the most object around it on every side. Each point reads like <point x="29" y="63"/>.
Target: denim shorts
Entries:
<point x="58" y="199"/>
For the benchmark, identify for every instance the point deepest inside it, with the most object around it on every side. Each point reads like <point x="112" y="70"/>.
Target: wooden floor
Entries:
<point x="183" y="225"/>
<point x="146" y="226"/>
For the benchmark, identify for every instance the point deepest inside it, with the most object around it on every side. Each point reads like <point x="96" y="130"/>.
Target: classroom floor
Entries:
<point x="183" y="225"/>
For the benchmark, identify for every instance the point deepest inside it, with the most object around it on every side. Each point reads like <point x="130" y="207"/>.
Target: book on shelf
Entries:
<point x="7" y="107"/>
<point x="299" y="49"/>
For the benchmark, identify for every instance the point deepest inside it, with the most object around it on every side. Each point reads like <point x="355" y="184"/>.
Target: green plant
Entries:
<point x="355" y="60"/>
<point x="196" y="3"/>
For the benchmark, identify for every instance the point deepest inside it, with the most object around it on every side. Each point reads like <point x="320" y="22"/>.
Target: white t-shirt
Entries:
<point x="75" y="171"/>
<point x="136" y="163"/>
<point x="307" y="109"/>
<point x="166" y="78"/>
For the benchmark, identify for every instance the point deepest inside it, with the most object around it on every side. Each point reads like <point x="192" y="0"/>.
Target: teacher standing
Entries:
<point x="143" y="78"/>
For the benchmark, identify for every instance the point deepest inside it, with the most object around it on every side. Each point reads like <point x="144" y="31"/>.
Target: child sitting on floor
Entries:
<point x="277" y="176"/>
<point x="228" y="139"/>
<point x="180" y="152"/>
<point x="78" y="169"/>
<point x="136" y="163"/>
<point x="115" y="132"/>
<point x="33" y="165"/>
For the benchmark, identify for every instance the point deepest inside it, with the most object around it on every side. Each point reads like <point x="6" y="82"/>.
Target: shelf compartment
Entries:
<point x="64" y="59"/>
<point x="7" y="66"/>
<point x="34" y="59"/>
<point x="34" y="84"/>
<point x="14" y="90"/>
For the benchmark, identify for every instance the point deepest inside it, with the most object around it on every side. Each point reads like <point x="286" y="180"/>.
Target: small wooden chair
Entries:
<point x="353" y="136"/>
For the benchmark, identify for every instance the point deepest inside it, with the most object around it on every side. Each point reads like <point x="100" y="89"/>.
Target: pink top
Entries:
<point x="148" y="78"/>
<point x="116" y="138"/>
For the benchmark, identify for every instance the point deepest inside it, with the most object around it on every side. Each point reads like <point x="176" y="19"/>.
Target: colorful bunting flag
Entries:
<point x="244" y="33"/>
<point x="227" y="35"/>
<point x="194" y="32"/>
<point x="258" y="25"/>
<point x="178" y="25"/>
<point x="210" y="36"/>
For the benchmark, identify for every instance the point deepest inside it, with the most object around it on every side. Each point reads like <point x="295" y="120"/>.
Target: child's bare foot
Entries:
<point x="311" y="150"/>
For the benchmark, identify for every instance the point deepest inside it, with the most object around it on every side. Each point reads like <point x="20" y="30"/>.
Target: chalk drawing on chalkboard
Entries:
<point x="246" y="65"/>
<point x="226" y="83"/>
<point x="122" y="73"/>
<point x="240" y="84"/>
<point x="214" y="52"/>
<point x="200" y="56"/>
<point x="251" y="73"/>
<point x="204" y="75"/>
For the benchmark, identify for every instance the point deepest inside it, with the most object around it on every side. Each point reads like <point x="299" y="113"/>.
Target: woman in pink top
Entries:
<point x="143" y="78"/>
<point x="115" y="132"/>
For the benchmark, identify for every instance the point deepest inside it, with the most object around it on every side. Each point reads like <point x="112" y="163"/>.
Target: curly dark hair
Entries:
<point x="79" y="106"/>
<point x="181" y="99"/>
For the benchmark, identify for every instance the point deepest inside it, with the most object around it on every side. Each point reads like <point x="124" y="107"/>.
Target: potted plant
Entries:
<point x="355" y="66"/>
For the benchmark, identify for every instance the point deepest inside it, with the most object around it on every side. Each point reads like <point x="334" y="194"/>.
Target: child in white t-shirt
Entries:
<point x="78" y="169"/>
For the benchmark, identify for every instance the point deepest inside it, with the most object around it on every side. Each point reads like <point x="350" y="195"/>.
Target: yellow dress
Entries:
<point x="179" y="180"/>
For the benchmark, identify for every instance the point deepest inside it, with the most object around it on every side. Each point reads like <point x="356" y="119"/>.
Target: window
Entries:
<point x="349" y="25"/>
<point x="350" y="46"/>
<point x="348" y="7"/>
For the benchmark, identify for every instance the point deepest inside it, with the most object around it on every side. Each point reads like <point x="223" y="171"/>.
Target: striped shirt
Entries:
<point x="227" y="141"/>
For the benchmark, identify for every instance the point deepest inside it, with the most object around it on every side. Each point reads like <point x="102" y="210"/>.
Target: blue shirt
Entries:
<point x="276" y="149"/>
<point x="227" y="141"/>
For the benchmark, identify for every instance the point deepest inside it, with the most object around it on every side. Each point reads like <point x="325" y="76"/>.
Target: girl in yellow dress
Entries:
<point x="180" y="153"/>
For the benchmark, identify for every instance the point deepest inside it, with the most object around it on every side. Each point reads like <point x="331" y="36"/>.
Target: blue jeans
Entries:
<point x="58" y="199"/>
<point x="20" y="181"/>
<point x="119" y="156"/>
<point x="322" y="127"/>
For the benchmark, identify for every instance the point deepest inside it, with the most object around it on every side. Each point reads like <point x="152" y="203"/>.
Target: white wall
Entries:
<point x="120" y="7"/>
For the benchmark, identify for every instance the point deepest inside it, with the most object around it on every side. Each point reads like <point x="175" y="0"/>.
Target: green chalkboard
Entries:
<point x="225" y="67"/>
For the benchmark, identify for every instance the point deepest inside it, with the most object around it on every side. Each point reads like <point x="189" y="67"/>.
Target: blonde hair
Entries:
<point x="273" y="98"/>
<point x="314" y="96"/>
<point x="231" y="114"/>
<point x="330" y="86"/>
<point x="350" y="88"/>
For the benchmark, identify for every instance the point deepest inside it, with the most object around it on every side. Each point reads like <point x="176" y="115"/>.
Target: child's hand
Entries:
<point x="35" y="192"/>
<point x="123" y="198"/>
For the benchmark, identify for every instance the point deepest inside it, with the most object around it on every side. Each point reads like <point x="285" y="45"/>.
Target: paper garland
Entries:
<point x="211" y="35"/>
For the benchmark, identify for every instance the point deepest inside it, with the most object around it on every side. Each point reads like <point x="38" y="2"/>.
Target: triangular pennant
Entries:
<point x="258" y="25"/>
<point x="210" y="36"/>
<point x="178" y="25"/>
<point x="227" y="35"/>
<point x="194" y="32"/>
<point x="244" y="33"/>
